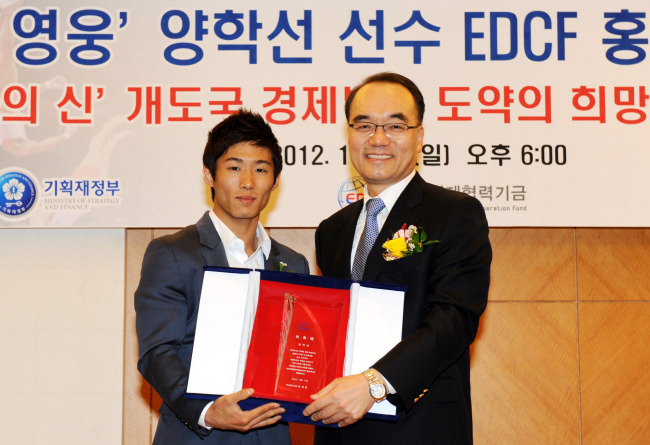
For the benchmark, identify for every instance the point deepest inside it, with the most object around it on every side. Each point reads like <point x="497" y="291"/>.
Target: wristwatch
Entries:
<point x="377" y="389"/>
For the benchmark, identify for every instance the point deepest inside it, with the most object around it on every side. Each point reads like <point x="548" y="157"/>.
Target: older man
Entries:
<point x="427" y="374"/>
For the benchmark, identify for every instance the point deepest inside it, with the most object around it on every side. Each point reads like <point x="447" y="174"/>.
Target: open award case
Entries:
<point x="287" y="335"/>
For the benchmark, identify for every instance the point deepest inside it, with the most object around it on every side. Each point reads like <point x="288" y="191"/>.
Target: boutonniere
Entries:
<point x="406" y="241"/>
<point x="282" y="267"/>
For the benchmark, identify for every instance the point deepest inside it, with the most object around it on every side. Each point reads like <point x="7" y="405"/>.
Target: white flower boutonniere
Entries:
<point x="282" y="267"/>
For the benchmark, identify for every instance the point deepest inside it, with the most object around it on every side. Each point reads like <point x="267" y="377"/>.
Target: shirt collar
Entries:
<point x="390" y="194"/>
<point x="229" y="238"/>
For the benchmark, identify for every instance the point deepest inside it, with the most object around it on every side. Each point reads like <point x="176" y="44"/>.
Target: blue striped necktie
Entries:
<point x="368" y="237"/>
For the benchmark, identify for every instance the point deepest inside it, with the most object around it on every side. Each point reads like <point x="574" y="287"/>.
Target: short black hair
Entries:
<point x="243" y="126"/>
<point x="390" y="78"/>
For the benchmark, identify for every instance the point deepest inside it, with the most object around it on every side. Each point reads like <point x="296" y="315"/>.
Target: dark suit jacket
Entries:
<point x="167" y="303"/>
<point x="447" y="293"/>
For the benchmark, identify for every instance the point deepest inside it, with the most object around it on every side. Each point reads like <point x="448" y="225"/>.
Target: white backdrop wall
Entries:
<point x="62" y="325"/>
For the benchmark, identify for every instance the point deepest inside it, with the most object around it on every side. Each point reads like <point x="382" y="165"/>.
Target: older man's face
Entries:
<point x="384" y="160"/>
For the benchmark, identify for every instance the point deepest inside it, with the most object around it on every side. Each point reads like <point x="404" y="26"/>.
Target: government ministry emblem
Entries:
<point x="18" y="193"/>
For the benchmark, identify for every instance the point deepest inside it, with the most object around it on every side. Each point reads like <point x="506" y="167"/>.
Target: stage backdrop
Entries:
<point x="538" y="109"/>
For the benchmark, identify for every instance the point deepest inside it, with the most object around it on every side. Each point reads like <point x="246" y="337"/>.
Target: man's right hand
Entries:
<point x="226" y="414"/>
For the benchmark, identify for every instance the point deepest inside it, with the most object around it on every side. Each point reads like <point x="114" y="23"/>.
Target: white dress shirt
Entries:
<point x="237" y="257"/>
<point x="389" y="196"/>
<point x="234" y="247"/>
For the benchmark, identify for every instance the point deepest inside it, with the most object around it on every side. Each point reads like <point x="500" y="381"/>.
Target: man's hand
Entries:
<point x="344" y="401"/>
<point x="226" y="414"/>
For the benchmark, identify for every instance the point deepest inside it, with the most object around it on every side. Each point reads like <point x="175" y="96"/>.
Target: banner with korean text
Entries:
<point x="538" y="109"/>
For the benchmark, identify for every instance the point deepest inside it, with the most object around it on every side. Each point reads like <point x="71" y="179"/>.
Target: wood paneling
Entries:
<point x="137" y="412"/>
<point x="141" y="402"/>
<point x="301" y="434"/>
<point x="525" y="375"/>
<point x="614" y="264"/>
<point x="533" y="265"/>
<point x="300" y="240"/>
<point x="545" y="368"/>
<point x="614" y="372"/>
<point x="157" y="233"/>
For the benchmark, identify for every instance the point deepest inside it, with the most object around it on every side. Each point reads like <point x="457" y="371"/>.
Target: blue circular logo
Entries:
<point x="18" y="193"/>
<point x="351" y="190"/>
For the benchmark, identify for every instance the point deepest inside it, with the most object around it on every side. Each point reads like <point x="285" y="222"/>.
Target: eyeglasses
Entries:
<point x="391" y="128"/>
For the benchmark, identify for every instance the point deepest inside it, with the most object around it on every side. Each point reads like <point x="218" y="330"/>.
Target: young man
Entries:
<point x="241" y="164"/>
<point x="426" y="375"/>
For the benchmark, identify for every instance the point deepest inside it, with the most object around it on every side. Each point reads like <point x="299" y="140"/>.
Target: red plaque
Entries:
<point x="298" y="344"/>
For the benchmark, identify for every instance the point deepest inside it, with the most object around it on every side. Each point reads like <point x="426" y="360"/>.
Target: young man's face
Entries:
<point x="242" y="183"/>
<point x="381" y="159"/>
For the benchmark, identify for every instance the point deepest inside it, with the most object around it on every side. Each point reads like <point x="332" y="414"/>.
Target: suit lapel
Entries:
<point x="272" y="262"/>
<point x="212" y="248"/>
<point x="404" y="211"/>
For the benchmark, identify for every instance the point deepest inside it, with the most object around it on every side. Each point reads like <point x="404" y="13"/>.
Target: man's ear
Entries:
<point x="277" y="182"/>
<point x="420" y="138"/>
<point x="207" y="177"/>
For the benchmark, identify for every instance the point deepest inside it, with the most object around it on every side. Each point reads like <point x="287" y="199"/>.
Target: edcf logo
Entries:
<point x="351" y="190"/>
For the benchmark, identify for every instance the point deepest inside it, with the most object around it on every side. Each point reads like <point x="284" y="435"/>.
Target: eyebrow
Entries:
<point x="365" y="117"/>
<point x="257" y="161"/>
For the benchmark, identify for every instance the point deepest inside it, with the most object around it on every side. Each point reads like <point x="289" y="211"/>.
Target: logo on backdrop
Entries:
<point x="18" y="193"/>
<point x="351" y="190"/>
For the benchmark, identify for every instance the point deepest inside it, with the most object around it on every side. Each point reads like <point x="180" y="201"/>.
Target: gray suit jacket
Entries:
<point x="166" y="304"/>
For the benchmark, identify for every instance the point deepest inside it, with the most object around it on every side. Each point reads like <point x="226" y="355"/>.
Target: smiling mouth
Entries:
<point x="379" y="156"/>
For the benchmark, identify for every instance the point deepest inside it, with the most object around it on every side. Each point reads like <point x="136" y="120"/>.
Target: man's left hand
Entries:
<point x="344" y="401"/>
